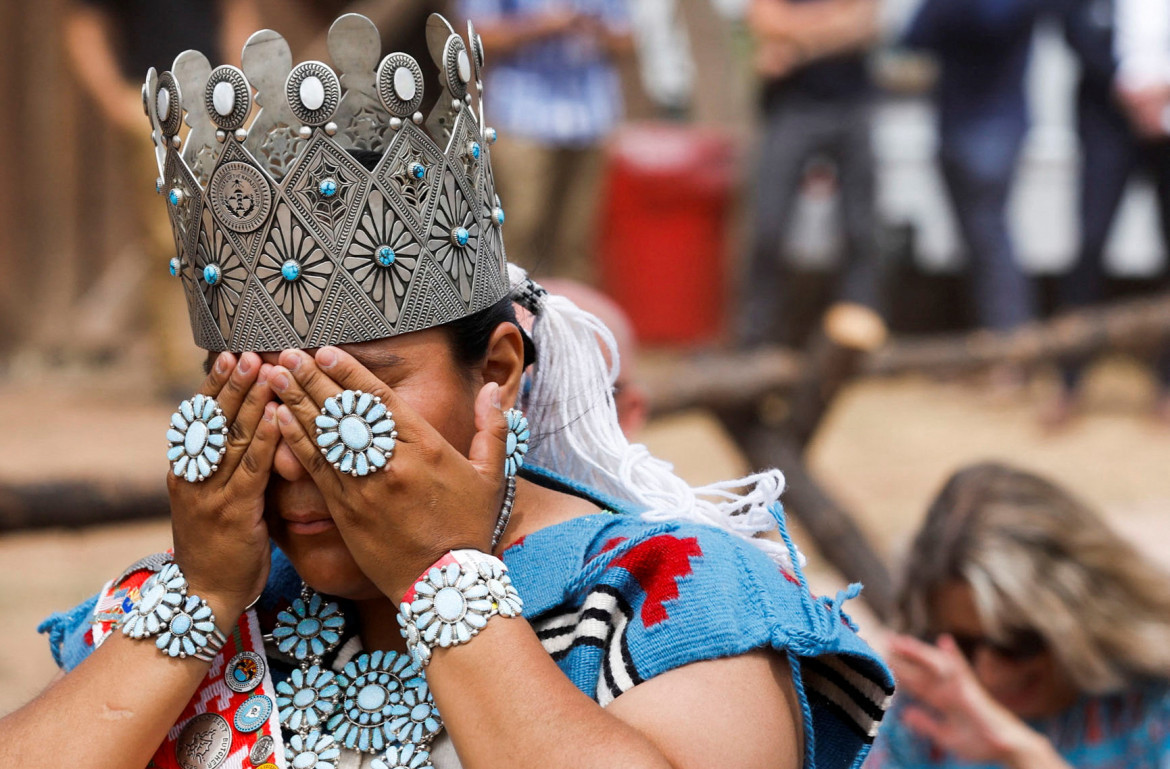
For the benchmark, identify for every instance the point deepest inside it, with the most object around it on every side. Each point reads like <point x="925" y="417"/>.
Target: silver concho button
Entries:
<point x="261" y="750"/>
<point x="204" y="742"/>
<point x="244" y="672"/>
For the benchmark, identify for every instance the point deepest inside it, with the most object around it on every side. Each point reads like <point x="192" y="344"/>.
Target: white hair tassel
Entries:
<point x="571" y="408"/>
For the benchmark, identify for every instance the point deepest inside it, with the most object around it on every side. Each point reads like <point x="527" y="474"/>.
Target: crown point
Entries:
<point x="241" y="134"/>
<point x="174" y="265"/>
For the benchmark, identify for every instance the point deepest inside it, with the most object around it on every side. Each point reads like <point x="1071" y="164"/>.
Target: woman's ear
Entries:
<point x="504" y="362"/>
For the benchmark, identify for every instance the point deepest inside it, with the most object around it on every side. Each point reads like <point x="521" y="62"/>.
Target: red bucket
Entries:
<point x="664" y="229"/>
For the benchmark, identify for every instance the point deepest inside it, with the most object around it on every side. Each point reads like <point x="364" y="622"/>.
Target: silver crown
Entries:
<point x="283" y="238"/>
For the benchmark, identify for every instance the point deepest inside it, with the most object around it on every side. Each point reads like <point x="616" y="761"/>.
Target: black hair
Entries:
<point x="470" y="334"/>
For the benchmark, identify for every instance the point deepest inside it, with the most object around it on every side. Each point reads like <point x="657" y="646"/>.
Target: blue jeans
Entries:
<point x="1110" y="155"/>
<point x="978" y="165"/>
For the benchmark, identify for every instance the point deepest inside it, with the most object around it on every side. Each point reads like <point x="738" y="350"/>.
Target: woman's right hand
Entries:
<point x="221" y="539"/>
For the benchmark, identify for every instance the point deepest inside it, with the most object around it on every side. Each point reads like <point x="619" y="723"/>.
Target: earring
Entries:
<point x="517" y="441"/>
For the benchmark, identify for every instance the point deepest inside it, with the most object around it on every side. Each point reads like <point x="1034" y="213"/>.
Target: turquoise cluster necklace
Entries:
<point x="379" y="703"/>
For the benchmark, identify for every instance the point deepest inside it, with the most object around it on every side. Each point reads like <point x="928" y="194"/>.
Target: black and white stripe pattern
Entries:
<point x="601" y="622"/>
<point x="857" y="697"/>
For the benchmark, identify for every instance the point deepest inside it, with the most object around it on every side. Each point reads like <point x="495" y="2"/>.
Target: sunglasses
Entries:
<point x="1019" y="646"/>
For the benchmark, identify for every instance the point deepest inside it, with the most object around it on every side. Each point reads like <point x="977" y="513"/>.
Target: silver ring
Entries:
<point x="197" y="435"/>
<point x="356" y="432"/>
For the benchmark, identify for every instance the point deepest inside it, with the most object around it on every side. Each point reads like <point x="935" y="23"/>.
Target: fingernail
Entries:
<point x="265" y="370"/>
<point x="221" y="363"/>
<point x="280" y="381"/>
<point x="295" y="363"/>
<point x="245" y="364"/>
<point x="269" y="410"/>
<point x="327" y="357"/>
<point x="284" y="415"/>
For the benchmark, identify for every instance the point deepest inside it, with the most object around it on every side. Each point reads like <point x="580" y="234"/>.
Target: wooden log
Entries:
<point x="77" y="503"/>
<point x="847" y="334"/>
<point x="736" y="379"/>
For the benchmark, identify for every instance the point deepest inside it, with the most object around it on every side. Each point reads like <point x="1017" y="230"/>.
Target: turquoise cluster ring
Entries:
<point x="197" y="433"/>
<point x="356" y="432"/>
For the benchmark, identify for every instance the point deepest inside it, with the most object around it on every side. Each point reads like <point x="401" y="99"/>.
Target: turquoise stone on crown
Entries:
<point x="327" y="187"/>
<point x="490" y="134"/>
<point x="498" y="216"/>
<point x="174" y="265"/>
<point x="417" y="170"/>
<point x="460" y="236"/>
<point x="211" y="274"/>
<point x="384" y="256"/>
<point x="474" y="150"/>
<point x="175" y="196"/>
<point x="290" y="270"/>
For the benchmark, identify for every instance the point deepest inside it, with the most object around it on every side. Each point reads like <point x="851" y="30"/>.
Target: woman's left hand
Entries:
<point x="427" y="500"/>
<point x="956" y="713"/>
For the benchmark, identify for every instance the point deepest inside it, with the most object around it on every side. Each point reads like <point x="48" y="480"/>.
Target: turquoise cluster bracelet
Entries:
<point x="182" y="625"/>
<point x="454" y="600"/>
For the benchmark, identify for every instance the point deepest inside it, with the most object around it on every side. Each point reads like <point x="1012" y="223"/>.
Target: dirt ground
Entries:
<point x="885" y="450"/>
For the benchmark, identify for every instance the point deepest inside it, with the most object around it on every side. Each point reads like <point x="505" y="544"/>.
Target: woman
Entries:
<point x="1036" y="637"/>
<point x="426" y="604"/>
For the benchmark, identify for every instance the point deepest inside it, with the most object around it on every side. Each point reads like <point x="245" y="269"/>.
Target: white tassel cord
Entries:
<point x="575" y="430"/>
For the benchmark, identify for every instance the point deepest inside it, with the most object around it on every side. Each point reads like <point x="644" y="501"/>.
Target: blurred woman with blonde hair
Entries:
<point x="1035" y="636"/>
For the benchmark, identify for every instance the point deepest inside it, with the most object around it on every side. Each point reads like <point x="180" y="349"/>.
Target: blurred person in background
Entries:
<point x="554" y="94"/>
<point x="1036" y="636"/>
<point x="982" y="48"/>
<point x="816" y="97"/>
<point x="1122" y="96"/>
<point x="110" y="43"/>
